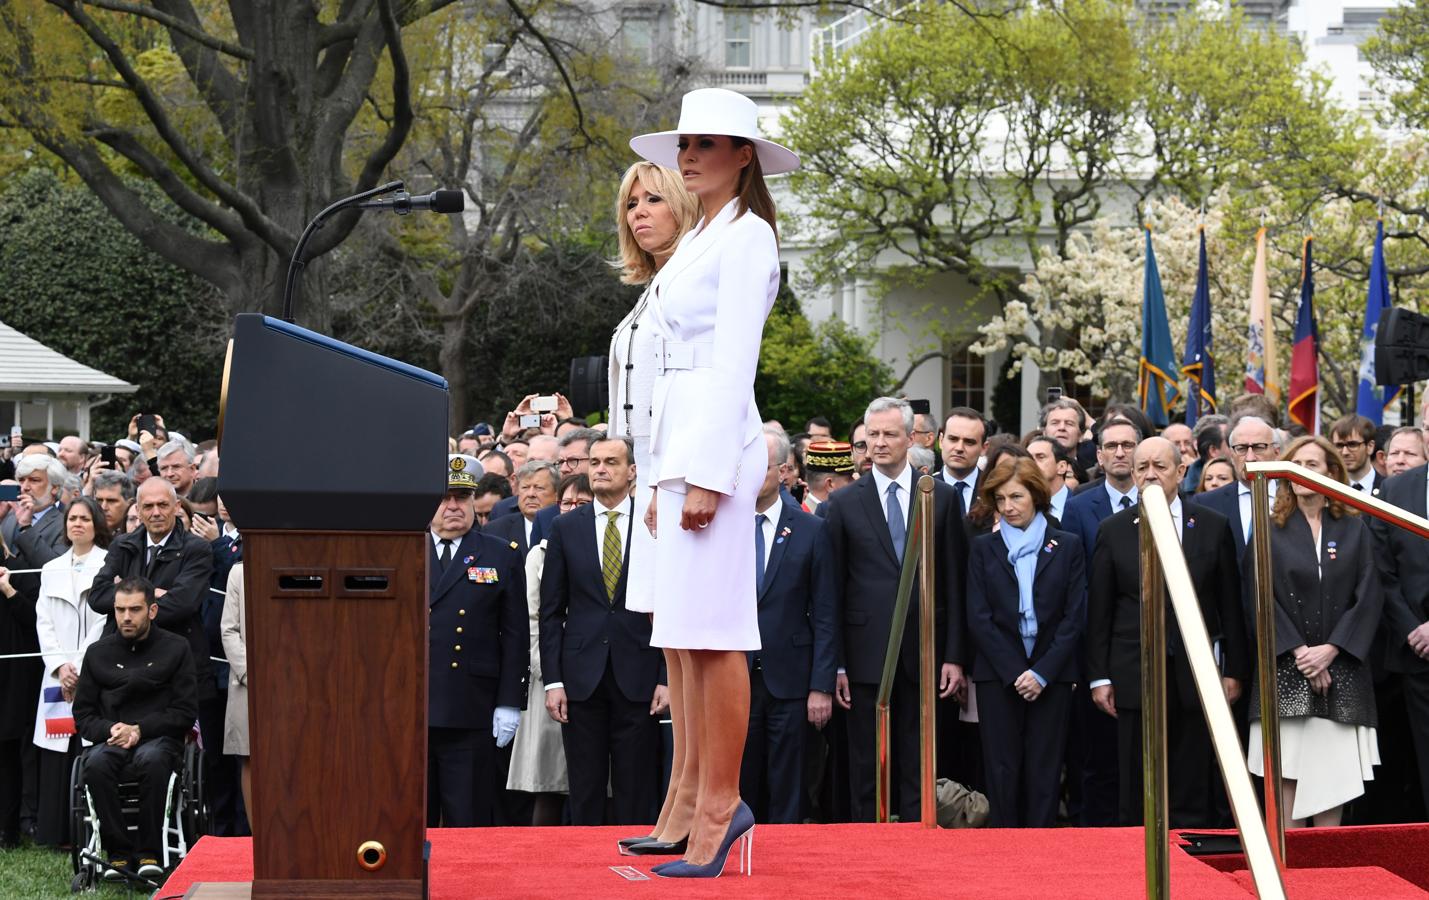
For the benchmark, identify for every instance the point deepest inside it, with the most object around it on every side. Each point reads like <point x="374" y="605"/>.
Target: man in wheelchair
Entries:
<point x="136" y="699"/>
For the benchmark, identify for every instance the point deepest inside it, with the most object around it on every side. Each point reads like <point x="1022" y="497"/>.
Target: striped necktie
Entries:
<point x="610" y="555"/>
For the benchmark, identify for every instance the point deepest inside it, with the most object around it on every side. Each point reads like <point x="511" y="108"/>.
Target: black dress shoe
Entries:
<point x="659" y="848"/>
<point x="626" y="842"/>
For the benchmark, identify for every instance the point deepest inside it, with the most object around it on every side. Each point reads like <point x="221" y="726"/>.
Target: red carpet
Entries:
<point x="790" y="861"/>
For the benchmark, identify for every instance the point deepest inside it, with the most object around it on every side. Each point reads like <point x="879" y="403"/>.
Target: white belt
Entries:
<point x="672" y="355"/>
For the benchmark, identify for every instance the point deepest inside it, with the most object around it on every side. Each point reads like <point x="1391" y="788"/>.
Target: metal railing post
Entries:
<point x="916" y="567"/>
<point x="927" y="661"/>
<point x="1266" y="664"/>
<point x="1155" y="819"/>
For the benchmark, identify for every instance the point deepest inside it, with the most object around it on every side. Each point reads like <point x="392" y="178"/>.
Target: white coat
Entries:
<point x="710" y="303"/>
<point x="66" y="626"/>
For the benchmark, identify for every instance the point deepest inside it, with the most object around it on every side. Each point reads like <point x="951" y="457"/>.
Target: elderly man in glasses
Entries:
<point x="1251" y="440"/>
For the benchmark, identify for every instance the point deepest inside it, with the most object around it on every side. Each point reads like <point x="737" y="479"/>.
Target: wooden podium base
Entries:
<point x="220" y="890"/>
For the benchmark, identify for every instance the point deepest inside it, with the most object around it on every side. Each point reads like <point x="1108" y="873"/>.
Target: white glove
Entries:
<point x="503" y="724"/>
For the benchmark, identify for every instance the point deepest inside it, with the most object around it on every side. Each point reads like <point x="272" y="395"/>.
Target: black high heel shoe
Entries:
<point x="659" y="848"/>
<point x="624" y="844"/>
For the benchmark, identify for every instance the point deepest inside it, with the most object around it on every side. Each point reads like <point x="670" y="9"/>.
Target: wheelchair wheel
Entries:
<point x="78" y="818"/>
<point x="82" y="881"/>
<point x="195" y="807"/>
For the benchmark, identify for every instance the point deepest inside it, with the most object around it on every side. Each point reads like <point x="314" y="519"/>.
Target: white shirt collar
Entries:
<point x="601" y="509"/>
<point x="1244" y="489"/>
<point x="772" y="510"/>
<point x="904" y="480"/>
<point x="229" y="531"/>
<point x="150" y="542"/>
<point x="969" y="479"/>
<point x="1115" y="495"/>
<point x="1176" y="506"/>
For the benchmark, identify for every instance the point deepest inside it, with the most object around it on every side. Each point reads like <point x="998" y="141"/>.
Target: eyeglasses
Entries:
<point x="1242" y="449"/>
<point x="571" y="461"/>
<point x="922" y="431"/>
<point x="1348" y="445"/>
<point x="1119" y="446"/>
<point x="860" y="446"/>
<point x="568" y="505"/>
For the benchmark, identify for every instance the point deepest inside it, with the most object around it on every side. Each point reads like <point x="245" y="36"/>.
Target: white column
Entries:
<point x="81" y="418"/>
<point x="49" y="420"/>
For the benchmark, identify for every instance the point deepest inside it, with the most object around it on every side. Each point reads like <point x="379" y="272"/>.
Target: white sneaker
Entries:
<point x="150" y="868"/>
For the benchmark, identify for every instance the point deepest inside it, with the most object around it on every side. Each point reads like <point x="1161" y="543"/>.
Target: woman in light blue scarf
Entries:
<point x="1026" y="596"/>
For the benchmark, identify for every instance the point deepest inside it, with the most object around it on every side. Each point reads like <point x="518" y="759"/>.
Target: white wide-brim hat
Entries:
<point x="715" y="111"/>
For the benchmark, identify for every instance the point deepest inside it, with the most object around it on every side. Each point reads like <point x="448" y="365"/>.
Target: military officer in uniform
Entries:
<point x="480" y="654"/>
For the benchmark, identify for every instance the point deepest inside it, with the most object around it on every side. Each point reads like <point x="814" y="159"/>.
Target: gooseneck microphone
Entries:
<point x="402" y="203"/>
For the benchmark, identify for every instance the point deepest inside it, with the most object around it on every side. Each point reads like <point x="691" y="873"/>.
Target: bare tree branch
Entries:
<point x="189" y="29"/>
<point x="555" y="58"/>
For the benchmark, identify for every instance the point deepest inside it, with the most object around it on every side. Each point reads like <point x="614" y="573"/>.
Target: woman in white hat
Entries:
<point x="707" y="452"/>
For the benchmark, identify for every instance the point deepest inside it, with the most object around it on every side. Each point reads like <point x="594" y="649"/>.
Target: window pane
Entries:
<point x="737" y="28"/>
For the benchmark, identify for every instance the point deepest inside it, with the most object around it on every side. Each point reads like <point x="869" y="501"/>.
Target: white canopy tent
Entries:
<point x="42" y="390"/>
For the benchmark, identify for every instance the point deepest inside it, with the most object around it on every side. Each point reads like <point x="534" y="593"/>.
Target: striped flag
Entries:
<point x="1262" y="370"/>
<point x="1304" y="359"/>
<point x="1198" y="364"/>
<point x="1370" y="401"/>
<point x="1157" y="386"/>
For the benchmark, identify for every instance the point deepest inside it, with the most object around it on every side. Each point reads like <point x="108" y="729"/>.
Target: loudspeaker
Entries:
<point x="590" y="385"/>
<point x="1401" y="347"/>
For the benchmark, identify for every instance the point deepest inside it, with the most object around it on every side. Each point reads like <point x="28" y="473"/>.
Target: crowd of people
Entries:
<point x="585" y="663"/>
<point x="1037" y="620"/>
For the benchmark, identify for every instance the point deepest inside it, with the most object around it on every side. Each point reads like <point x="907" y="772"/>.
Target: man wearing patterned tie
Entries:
<point x="479" y="654"/>
<point x="963" y="440"/>
<point x="605" y="684"/>
<point x="867" y="525"/>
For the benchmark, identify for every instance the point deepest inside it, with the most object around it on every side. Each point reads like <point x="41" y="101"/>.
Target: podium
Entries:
<point x="335" y="552"/>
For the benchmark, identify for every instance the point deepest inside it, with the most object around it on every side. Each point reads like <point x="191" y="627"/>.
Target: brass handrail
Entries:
<point x="917" y="562"/>
<point x="1259" y="475"/>
<point x="1164" y="569"/>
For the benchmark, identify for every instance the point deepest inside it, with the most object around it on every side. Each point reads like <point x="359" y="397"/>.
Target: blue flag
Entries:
<point x="1197" y="364"/>
<point x="1371" y="400"/>
<point x="1157" y="387"/>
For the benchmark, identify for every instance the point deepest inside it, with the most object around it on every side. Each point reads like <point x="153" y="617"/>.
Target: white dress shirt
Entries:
<point x="1246" y="517"/>
<point x="904" y="493"/>
<point x="1365" y="482"/>
<point x="770" y="523"/>
<point x="1059" y="502"/>
<point x="1116" y="496"/>
<point x="969" y="493"/>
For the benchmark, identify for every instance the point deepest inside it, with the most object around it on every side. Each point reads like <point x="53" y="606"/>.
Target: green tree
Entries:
<point x="808" y="370"/>
<point x="77" y="281"/>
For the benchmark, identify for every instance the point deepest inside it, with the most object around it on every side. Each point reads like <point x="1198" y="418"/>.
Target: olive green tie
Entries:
<point x="610" y="555"/>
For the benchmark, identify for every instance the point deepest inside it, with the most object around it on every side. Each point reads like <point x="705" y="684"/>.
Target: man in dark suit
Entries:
<point x="178" y="564"/>
<point x="1113" y="641"/>
<point x="39" y="526"/>
<point x="868" y="523"/>
<point x="1251" y="440"/>
<point x="1355" y="437"/>
<point x="604" y="682"/>
<point x="480" y="656"/>
<point x="536" y="485"/>
<point x="963" y="441"/>
<point x="1092" y="740"/>
<point x="791" y="677"/>
<point x="1403" y="688"/>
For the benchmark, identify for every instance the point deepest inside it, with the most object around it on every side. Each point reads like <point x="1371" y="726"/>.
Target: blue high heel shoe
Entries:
<point x="741" y="829"/>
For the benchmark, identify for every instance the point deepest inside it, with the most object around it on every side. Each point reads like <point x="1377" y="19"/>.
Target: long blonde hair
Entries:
<point x="636" y="265"/>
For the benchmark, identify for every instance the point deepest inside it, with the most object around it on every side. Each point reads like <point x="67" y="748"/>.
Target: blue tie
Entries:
<point x="897" y="528"/>
<point x="759" y="520"/>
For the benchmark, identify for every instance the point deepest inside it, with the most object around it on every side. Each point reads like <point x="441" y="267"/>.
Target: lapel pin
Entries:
<point x="466" y="560"/>
<point x="1190" y="521"/>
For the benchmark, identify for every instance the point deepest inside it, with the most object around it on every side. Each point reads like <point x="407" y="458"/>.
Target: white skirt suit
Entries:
<point x="708" y="304"/>
<point x="633" y="350"/>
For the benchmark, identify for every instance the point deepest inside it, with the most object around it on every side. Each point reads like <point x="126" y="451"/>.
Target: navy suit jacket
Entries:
<point x="504" y="507"/>
<point x="541" y="525"/>
<point x="1058" y="596"/>
<point x="796" y="608"/>
<point x="1083" y="515"/>
<point x="512" y="530"/>
<point x="480" y="653"/>
<point x="580" y="627"/>
<point x="866" y="573"/>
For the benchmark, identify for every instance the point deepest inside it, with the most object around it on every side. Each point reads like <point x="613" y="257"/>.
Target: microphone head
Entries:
<point x="448" y="201"/>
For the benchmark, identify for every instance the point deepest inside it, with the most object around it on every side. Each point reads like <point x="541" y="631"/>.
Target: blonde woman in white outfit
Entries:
<point x="707" y="453"/>
<point x="653" y="212"/>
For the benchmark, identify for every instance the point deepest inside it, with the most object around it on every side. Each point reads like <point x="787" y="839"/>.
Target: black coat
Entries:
<point x="19" y="678"/>
<point x="796" y="608"/>
<point x="480" y="641"/>
<point x="183" y="568"/>
<point x="581" y="629"/>
<point x="866" y="572"/>
<point x="1113" y="640"/>
<point x="1226" y="501"/>
<point x="1403" y="559"/>
<point x="149" y="683"/>
<point x="1058" y="592"/>
<point x="1337" y="600"/>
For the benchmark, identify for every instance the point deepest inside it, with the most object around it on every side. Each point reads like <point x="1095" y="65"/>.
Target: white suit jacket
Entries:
<point x="718" y="288"/>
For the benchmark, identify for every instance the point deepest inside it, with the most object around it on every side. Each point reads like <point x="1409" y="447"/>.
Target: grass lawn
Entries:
<point x="37" y="873"/>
